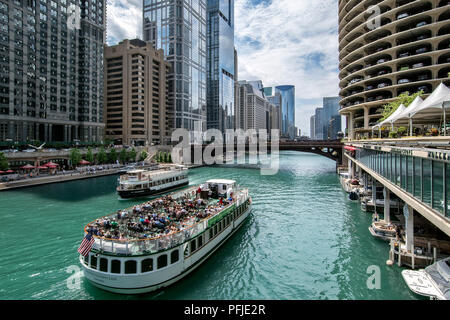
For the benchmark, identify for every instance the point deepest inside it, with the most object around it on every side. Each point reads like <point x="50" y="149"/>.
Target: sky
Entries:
<point x="281" y="42"/>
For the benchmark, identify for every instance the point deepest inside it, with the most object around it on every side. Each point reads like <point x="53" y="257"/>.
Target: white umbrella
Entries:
<point x="434" y="105"/>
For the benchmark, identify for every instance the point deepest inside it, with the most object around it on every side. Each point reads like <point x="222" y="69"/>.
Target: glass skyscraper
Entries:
<point x="287" y="110"/>
<point x="220" y="65"/>
<point x="51" y="70"/>
<point x="179" y="28"/>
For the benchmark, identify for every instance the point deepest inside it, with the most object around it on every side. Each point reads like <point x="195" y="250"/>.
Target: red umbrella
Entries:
<point x="42" y="167"/>
<point x="2" y="172"/>
<point x="28" y="167"/>
<point x="84" y="162"/>
<point x="9" y="171"/>
<point x="51" y="164"/>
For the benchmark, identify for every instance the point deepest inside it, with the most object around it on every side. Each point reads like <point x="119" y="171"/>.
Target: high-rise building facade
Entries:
<point x="287" y="110"/>
<point x="137" y="110"/>
<point x="395" y="47"/>
<point x="221" y="72"/>
<point x="51" y="70"/>
<point x="331" y="111"/>
<point x="312" y="127"/>
<point x="179" y="29"/>
<point x="319" y="124"/>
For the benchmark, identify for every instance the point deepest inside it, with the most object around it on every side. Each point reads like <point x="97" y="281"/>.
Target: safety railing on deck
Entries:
<point x="164" y="242"/>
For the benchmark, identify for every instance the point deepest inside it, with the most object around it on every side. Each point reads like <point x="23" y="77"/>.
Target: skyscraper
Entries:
<point x="312" y="127"/>
<point x="179" y="28"/>
<point x="331" y="111"/>
<point x="51" y="70"/>
<point x="221" y="72"/>
<point x="287" y="110"/>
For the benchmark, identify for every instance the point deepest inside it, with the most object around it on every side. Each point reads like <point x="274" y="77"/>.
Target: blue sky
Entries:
<point x="279" y="42"/>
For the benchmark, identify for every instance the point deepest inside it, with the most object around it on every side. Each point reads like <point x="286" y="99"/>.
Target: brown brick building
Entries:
<point x="137" y="109"/>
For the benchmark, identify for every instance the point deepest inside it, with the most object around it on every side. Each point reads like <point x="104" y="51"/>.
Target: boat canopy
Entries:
<point x="221" y="181"/>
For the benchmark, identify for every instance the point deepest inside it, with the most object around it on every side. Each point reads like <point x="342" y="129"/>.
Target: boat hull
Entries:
<point x="164" y="278"/>
<point x="146" y="192"/>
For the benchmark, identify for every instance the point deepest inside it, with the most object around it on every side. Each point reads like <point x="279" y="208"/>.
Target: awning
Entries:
<point x="390" y="120"/>
<point x="350" y="148"/>
<point x="407" y="113"/>
<point x="434" y="105"/>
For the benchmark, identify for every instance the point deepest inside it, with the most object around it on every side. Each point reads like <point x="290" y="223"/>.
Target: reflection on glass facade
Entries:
<point x="426" y="179"/>
<point x="287" y="110"/>
<point x="179" y="28"/>
<point x="220" y="64"/>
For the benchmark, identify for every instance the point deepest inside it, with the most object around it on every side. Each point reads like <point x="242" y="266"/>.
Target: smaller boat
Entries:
<point x="144" y="183"/>
<point x="432" y="282"/>
<point x="353" y="196"/>
<point x="383" y="230"/>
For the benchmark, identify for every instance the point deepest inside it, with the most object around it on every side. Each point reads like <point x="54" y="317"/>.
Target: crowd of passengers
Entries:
<point x="156" y="218"/>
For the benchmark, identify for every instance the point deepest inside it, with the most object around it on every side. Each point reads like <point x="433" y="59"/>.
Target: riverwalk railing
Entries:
<point x="165" y="242"/>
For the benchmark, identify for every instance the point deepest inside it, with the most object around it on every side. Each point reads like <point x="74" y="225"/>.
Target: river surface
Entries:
<point x="304" y="240"/>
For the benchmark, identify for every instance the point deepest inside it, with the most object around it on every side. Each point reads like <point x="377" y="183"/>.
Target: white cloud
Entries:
<point x="290" y="42"/>
<point x="279" y="42"/>
<point x="124" y="20"/>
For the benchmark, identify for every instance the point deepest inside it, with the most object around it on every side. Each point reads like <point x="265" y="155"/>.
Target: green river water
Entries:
<point x="304" y="240"/>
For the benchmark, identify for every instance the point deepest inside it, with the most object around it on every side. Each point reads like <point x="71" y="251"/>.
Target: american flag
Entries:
<point x="86" y="245"/>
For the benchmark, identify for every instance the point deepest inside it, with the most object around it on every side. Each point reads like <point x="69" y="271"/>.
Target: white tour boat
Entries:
<point x="155" y="244"/>
<point x="432" y="282"/>
<point x="143" y="183"/>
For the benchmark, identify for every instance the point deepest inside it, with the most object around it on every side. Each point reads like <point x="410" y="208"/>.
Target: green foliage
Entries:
<point x="75" y="156"/>
<point x="90" y="155"/>
<point x="393" y="135"/>
<point x="402" y="131"/>
<point x="165" y="157"/>
<point x="102" y="158"/>
<point x="112" y="156"/>
<point x="4" y="165"/>
<point x="143" y="156"/>
<point x="123" y="156"/>
<point x="132" y="155"/>
<point x="404" y="98"/>
<point x="169" y="158"/>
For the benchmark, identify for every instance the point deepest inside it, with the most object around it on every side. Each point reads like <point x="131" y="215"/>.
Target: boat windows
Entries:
<point x="147" y="265"/>
<point x="115" y="266"/>
<point x="215" y="230"/>
<point x="174" y="256"/>
<point x="103" y="264"/>
<point x="210" y="233"/>
<point x="130" y="267"/>
<point x="86" y="259"/>
<point x="93" y="262"/>
<point x="186" y="251"/>
<point x="200" y="241"/>
<point x="193" y="245"/>
<point x="162" y="261"/>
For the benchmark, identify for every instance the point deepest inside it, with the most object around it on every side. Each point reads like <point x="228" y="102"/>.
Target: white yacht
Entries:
<point x="155" y="244"/>
<point x="143" y="183"/>
<point x="432" y="282"/>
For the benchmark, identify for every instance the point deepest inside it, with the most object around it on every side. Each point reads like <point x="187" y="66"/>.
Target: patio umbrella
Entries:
<point x="9" y="171"/>
<point x="28" y="167"/>
<point x="51" y="165"/>
<point x="406" y="115"/>
<point x="84" y="162"/>
<point x="42" y="167"/>
<point x="2" y="172"/>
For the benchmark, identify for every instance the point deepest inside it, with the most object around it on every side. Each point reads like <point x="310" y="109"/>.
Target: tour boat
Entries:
<point x="143" y="183"/>
<point x="432" y="282"/>
<point x="187" y="227"/>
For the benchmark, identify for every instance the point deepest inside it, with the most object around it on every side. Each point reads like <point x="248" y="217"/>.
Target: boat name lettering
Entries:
<point x="438" y="155"/>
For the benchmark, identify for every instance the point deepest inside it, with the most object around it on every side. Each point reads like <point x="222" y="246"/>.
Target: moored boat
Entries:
<point x="143" y="183"/>
<point x="153" y="245"/>
<point x="432" y="282"/>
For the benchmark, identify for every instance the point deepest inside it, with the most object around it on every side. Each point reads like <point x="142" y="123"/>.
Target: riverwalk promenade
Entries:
<point x="67" y="176"/>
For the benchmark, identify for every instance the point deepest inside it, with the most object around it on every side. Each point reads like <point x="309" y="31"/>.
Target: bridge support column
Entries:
<point x="387" y="205"/>
<point x="409" y="226"/>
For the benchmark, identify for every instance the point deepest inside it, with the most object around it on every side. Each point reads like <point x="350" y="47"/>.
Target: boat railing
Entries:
<point x="163" y="242"/>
